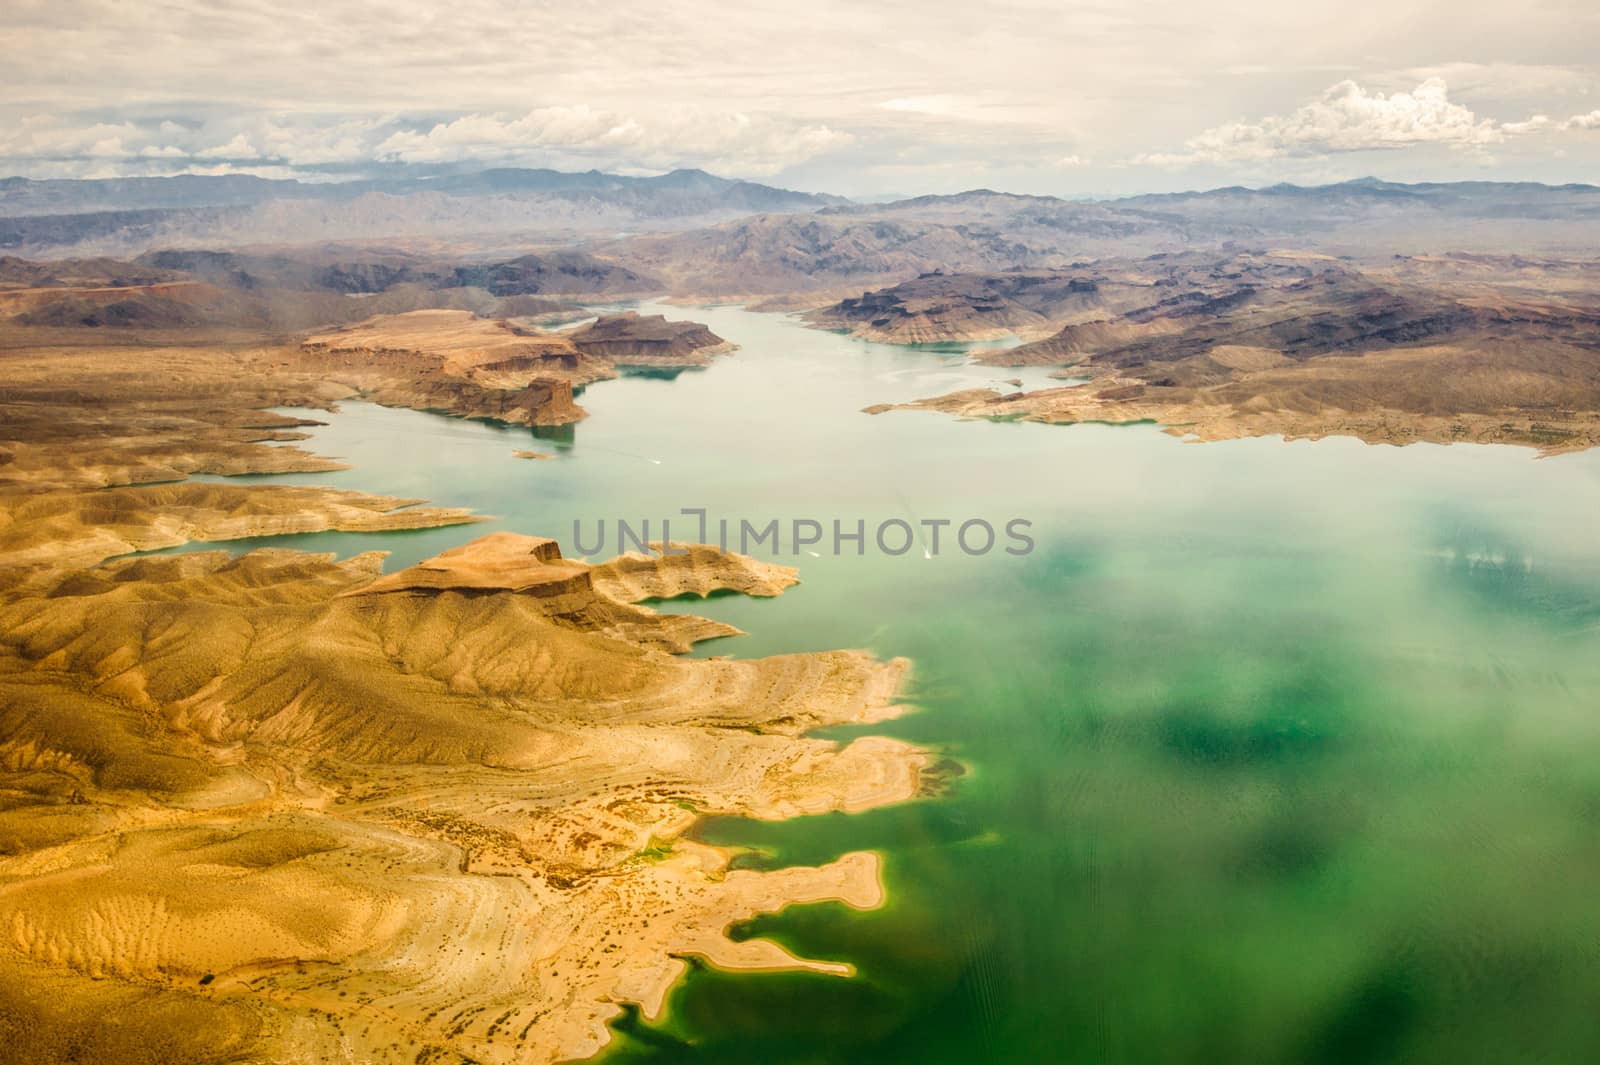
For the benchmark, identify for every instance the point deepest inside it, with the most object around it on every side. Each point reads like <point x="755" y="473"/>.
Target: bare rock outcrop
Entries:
<point x="648" y="340"/>
<point x="690" y="569"/>
<point x="456" y="362"/>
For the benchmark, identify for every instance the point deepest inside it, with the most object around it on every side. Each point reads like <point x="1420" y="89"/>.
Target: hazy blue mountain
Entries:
<point x="129" y="215"/>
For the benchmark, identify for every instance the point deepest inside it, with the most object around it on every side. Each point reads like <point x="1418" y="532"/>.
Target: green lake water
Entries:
<point x="1275" y="752"/>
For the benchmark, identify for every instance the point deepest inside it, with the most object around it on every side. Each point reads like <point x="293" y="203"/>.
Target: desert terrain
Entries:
<point x="284" y="806"/>
<point x="1485" y="349"/>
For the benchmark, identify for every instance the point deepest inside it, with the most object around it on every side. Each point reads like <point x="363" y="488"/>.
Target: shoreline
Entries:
<point x="330" y="775"/>
<point x="862" y="889"/>
<point x="690" y="890"/>
<point x="1195" y="422"/>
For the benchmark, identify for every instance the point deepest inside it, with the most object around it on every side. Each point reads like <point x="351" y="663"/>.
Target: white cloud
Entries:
<point x="734" y="143"/>
<point x="322" y="142"/>
<point x="1348" y="118"/>
<point x="238" y="148"/>
<point x="1588" y="121"/>
<point x="1536" y="124"/>
<point x="934" y="98"/>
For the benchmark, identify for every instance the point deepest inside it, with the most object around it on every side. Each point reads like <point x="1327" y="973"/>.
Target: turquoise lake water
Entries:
<point x="1275" y="752"/>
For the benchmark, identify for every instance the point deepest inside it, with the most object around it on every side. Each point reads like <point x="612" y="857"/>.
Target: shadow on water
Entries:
<point x="658" y="373"/>
<point x="562" y="436"/>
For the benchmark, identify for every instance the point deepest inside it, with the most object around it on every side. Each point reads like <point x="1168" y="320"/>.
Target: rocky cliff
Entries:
<point x="634" y="339"/>
<point x="456" y="362"/>
<point x="1484" y="349"/>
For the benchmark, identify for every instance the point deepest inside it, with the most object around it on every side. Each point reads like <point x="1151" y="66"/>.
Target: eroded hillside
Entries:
<point x="1470" y="348"/>
<point x="285" y="807"/>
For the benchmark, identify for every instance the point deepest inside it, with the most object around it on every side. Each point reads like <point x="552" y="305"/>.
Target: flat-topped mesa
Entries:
<point x="631" y="338"/>
<point x="514" y="562"/>
<point x="498" y="562"/>
<point x="455" y="361"/>
<point x="454" y="342"/>
<point x="592" y="598"/>
<point x="690" y="569"/>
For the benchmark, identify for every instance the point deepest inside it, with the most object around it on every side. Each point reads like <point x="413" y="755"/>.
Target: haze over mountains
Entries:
<point x="121" y="215"/>
<point x="1284" y="309"/>
<point x="704" y="235"/>
<point x="682" y="191"/>
<point x="236" y="252"/>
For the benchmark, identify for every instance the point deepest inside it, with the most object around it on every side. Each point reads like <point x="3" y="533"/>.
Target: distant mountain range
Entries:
<point x="844" y="248"/>
<point x="710" y="236"/>
<point x="129" y="215"/>
<point x="682" y="192"/>
<point x="1369" y="198"/>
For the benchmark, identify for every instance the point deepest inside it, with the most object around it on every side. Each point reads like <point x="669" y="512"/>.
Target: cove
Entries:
<point x="1274" y="752"/>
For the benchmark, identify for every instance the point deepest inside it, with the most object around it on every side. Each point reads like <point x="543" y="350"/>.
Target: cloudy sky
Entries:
<point x="863" y="97"/>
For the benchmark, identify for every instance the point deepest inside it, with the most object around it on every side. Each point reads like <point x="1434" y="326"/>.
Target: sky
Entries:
<point x="865" y="98"/>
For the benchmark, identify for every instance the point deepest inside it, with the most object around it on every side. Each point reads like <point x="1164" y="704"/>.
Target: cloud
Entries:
<point x="1588" y="121"/>
<point x="1348" y="118"/>
<point x="732" y="143"/>
<point x="1536" y="124"/>
<point x="238" y="148"/>
<point x="934" y="98"/>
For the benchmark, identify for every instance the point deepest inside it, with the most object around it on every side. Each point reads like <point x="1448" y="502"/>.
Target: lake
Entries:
<point x="1273" y="752"/>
